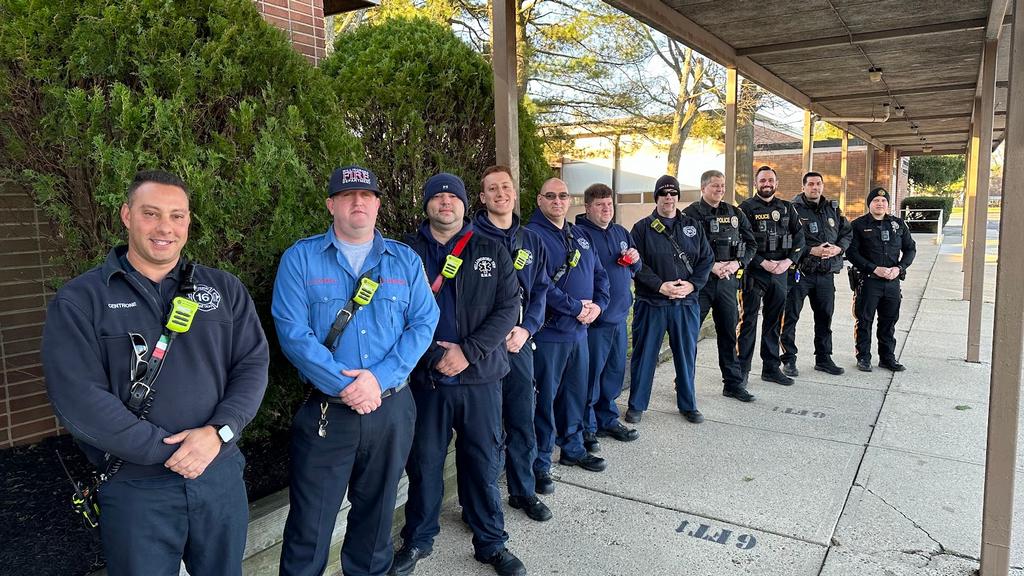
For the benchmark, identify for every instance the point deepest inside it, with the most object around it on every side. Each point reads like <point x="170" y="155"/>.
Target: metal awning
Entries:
<point x="817" y="54"/>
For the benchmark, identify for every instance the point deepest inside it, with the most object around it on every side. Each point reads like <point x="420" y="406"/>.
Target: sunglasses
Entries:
<point x="669" y="192"/>
<point x="552" y="196"/>
<point x="140" y="366"/>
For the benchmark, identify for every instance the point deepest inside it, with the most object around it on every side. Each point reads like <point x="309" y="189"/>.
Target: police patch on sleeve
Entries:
<point x="484" y="265"/>
<point x="623" y="245"/>
<point x="207" y="297"/>
<point x="583" y="243"/>
<point x="689" y="231"/>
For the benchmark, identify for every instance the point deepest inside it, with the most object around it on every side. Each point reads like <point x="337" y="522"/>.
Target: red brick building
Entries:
<point x="887" y="171"/>
<point x="27" y="245"/>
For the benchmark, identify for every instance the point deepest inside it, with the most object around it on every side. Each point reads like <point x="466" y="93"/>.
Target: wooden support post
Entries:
<point x="808" y="143"/>
<point x="731" y="92"/>
<point x="1008" y="334"/>
<point x="972" y="191"/>
<point x="506" y="98"/>
<point x="844" y="160"/>
<point x="980" y="221"/>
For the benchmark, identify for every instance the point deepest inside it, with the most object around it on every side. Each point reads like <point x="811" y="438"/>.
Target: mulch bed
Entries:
<point x="40" y="534"/>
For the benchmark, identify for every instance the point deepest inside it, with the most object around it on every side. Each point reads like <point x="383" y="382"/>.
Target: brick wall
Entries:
<point x="303" y="21"/>
<point x="26" y="248"/>
<point x="788" y="164"/>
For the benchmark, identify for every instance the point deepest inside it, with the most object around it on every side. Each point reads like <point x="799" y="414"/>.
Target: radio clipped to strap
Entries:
<point x="363" y="295"/>
<point x="522" y="257"/>
<point x="660" y="228"/>
<point x="452" y="263"/>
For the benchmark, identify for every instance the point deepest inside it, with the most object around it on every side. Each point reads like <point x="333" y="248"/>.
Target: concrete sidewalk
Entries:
<point x="860" y="474"/>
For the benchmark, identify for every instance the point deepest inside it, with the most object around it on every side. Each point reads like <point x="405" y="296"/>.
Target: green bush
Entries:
<point x="92" y="91"/>
<point x="912" y="203"/>
<point x="422" y="101"/>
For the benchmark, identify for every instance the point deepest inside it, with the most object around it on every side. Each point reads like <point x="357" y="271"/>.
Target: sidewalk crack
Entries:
<point x="928" y="555"/>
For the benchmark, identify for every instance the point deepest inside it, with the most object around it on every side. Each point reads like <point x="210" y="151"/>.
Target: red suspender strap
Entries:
<point x="435" y="286"/>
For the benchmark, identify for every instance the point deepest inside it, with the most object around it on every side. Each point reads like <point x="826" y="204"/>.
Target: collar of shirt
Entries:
<point x="330" y="240"/>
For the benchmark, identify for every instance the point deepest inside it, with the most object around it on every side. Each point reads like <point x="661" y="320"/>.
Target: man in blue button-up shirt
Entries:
<point x="358" y="420"/>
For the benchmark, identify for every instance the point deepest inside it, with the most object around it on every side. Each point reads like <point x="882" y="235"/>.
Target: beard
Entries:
<point x="766" y="192"/>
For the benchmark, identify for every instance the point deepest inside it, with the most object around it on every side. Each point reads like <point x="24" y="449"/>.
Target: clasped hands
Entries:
<point x="676" y="289"/>
<point x="887" y="273"/>
<point x="725" y="270"/>
<point x="777" y="266"/>
<point x="589" y="313"/>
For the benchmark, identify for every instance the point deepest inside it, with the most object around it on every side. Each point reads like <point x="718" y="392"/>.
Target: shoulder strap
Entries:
<point x="361" y="296"/>
<point x="435" y="286"/>
<point x="660" y="227"/>
<point x="572" y="256"/>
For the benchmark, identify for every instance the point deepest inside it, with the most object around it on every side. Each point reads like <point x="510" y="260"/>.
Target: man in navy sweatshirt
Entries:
<point x="457" y="383"/>
<point x="676" y="262"/>
<point x="178" y="491"/>
<point x="606" y="337"/>
<point x="577" y="296"/>
<point x="499" y="222"/>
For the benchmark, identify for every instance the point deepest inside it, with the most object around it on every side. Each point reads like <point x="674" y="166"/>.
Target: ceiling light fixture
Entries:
<point x="875" y="74"/>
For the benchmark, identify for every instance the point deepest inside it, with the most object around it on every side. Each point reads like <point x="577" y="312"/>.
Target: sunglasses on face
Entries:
<point x="139" y="363"/>
<point x="552" y="196"/>
<point x="662" y="193"/>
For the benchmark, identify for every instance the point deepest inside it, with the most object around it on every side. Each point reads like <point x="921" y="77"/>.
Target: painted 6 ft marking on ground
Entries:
<point x="796" y="412"/>
<point x="704" y="532"/>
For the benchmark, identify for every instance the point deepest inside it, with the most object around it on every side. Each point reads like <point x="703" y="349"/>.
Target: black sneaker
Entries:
<point x="619" y="432"/>
<point x="864" y="365"/>
<point x="504" y="562"/>
<point x="532" y="505"/>
<point x="405" y="560"/>
<point x="740" y="394"/>
<point x="591" y="443"/>
<point x="634" y="416"/>
<point x="692" y="416"/>
<point x="544" y="484"/>
<point x="776" y="376"/>
<point x="789" y="368"/>
<point x="828" y="366"/>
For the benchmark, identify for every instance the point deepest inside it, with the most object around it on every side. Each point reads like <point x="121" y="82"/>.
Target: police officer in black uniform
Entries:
<point x="880" y="252"/>
<point x="780" y="243"/>
<point x="732" y="242"/>
<point x="827" y="233"/>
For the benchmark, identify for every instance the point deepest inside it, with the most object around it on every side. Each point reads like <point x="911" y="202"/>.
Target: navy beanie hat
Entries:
<point x="445" y="182"/>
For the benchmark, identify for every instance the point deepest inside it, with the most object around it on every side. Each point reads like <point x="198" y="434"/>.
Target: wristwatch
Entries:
<point x="225" y="433"/>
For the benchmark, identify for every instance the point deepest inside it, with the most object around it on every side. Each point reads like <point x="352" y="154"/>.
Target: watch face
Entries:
<point x="225" y="433"/>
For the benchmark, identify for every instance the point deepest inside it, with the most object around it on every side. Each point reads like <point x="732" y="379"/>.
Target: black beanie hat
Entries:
<point x="875" y="193"/>
<point x="666" y="182"/>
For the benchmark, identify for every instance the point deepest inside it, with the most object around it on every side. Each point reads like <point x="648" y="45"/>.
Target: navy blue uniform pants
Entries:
<point x="718" y="296"/>
<point x="820" y="289"/>
<point x="650" y="323"/>
<point x="607" y="350"/>
<point x="519" y="403"/>
<point x="883" y="297"/>
<point x="363" y="454"/>
<point x="149" y="526"/>
<point x="760" y="286"/>
<point x="560" y="370"/>
<point x="474" y="413"/>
